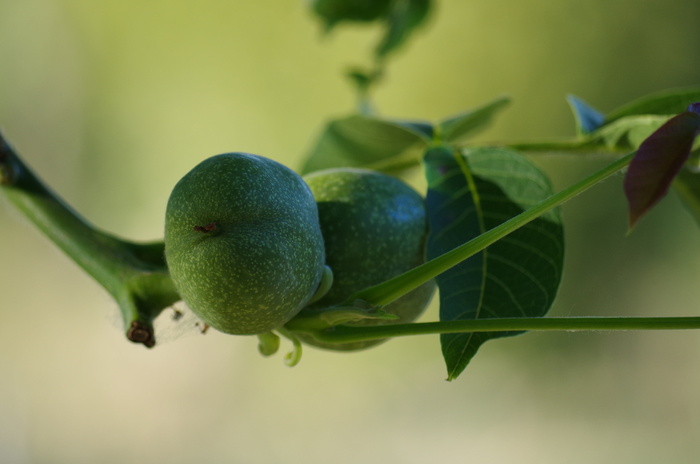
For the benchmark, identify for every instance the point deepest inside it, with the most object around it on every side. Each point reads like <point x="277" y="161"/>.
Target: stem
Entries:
<point x="347" y="334"/>
<point x="134" y="274"/>
<point x="559" y="146"/>
<point x="388" y="291"/>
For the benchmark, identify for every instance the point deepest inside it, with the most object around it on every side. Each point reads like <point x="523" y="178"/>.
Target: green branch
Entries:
<point x="570" y="146"/>
<point x="346" y="334"/>
<point x="135" y="274"/>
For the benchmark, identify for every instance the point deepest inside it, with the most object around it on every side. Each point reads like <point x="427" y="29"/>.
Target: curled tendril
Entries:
<point x="292" y="358"/>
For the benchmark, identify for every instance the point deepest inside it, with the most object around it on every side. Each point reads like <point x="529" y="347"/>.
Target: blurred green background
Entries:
<point x="112" y="102"/>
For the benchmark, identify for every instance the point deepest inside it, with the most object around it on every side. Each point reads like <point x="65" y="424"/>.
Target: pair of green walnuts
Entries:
<point x="249" y="243"/>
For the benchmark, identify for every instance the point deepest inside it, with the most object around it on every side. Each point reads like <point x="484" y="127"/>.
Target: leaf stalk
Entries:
<point x="347" y="334"/>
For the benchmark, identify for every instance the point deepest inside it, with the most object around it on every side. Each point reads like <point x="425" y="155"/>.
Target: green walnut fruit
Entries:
<point x="374" y="227"/>
<point x="243" y="243"/>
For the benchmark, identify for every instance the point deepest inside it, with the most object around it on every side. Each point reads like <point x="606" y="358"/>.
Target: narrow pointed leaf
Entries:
<point x="362" y="140"/>
<point x="667" y="102"/>
<point x="658" y="160"/>
<point x="625" y="128"/>
<point x="457" y="127"/>
<point x="587" y="118"/>
<point x="517" y="276"/>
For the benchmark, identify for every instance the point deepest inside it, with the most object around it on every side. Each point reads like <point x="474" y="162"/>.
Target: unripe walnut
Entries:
<point x="243" y="243"/>
<point x="374" y="228"/>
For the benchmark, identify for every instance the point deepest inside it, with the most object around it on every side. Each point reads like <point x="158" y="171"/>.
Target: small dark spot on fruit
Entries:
<point x="208" y="228"/>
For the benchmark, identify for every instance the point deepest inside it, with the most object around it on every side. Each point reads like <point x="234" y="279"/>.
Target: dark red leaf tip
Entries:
<point x="658" y="160"/>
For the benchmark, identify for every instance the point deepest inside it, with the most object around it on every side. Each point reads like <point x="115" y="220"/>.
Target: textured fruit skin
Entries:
<point x="243" y="242"/>
<point x="374" y="228"/>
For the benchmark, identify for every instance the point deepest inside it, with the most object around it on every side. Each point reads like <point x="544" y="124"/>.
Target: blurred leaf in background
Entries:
<point x="399" y="18"/>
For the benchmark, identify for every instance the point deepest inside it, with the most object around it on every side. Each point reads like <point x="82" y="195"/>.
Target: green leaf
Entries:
<point x="421" y="128"/>
<point x="517" y="276"/>
<point x="456" y="127"/>
<point x="687" y="187"/>
<point x="403" y="19"/>
<point x="587" y="118"/>
<point x="667" y="102"/>
<point x="363" y="141"/>
<point x="627" y="133"/>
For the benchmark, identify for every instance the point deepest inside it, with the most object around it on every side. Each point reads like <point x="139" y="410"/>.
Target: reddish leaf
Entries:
<point x="658" y="160"/>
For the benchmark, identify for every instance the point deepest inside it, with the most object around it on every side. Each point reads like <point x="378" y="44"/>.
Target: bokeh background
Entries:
<point x="111" y="102"/>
